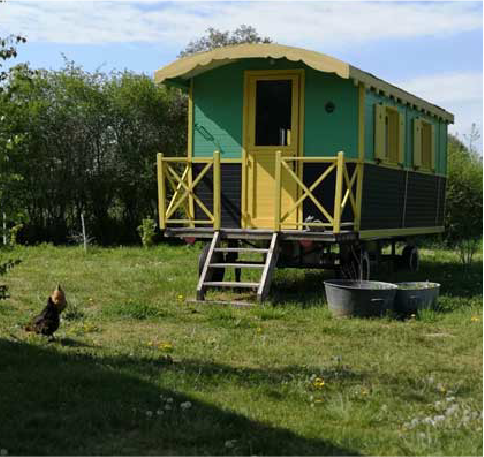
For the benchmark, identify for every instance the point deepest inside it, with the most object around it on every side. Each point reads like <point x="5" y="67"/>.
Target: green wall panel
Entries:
<point x="325" y="134"/>
<point x="218" y="110"/>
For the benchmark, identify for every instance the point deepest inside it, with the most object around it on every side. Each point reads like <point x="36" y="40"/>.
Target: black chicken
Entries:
<point x="48" y="321"/>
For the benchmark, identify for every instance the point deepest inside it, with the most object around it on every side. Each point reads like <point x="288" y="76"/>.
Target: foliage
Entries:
<point x="90" y="143"/>
<point x="147" y="232"/>
<point x="463" y="212"/>
<point x="237" y="381"/>
<point x="214" y="38"/>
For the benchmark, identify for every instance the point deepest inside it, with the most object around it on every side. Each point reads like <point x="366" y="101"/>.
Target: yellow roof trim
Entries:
<point x="187" y="67"/>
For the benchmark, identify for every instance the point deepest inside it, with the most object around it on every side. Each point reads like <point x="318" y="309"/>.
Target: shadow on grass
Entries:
<point x="77" y="404"/>
<point x="456" y="281"/>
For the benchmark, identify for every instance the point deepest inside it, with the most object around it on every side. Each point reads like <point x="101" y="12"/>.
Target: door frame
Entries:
<point x="246" y="124"/>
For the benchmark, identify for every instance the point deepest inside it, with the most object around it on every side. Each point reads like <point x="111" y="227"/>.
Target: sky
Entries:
<point x="432" y="49"/>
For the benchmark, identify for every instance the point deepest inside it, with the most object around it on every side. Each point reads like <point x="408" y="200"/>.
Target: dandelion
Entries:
<point x="318" y="400"/>
<point x="180" y="297"/>
<point x="474" y="319"/>
<point x="230" y="444"/>
<point x="318" y="382"/>
<point x="166" y="347"/>
<point x="186" y="405"/>
<point x="259" y="329"/>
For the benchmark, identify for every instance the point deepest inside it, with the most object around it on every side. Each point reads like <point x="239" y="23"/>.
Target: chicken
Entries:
<point x="48" y="321"/>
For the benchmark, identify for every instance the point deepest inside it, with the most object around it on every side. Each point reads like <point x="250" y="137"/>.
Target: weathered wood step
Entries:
<point x="237" y="265"/>
<point x="242" y="250"/>
<point x="232" y="284"/>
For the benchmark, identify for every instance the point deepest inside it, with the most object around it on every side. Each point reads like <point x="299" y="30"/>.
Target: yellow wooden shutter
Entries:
<point x="417" y="142"/>
<point x="401" y="138"/>
<point x="379" y="146"/>
<point x="432" y="148"/>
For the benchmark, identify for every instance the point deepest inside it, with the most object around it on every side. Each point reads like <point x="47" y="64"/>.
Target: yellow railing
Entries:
<point x="183" y="187"/>
<point x="338" y="165"/>
<point x="184" y="191"/>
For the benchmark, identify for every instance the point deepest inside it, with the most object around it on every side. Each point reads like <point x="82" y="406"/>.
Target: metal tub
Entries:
<point x="348" y="297"/>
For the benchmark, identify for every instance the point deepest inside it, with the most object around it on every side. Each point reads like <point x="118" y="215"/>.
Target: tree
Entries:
<point x="214" y="38"/>
<point x="463" y="211"/>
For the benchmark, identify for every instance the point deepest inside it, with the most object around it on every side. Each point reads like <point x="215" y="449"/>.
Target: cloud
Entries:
<point x="315" y="24"/>
<point x="459" y="92"/>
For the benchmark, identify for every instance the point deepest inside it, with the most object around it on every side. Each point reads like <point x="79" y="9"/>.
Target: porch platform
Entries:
<point x="258" y="234"/>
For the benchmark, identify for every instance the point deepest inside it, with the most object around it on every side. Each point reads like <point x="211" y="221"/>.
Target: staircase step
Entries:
<point x="242" y="250"/>
<point x="237" y="265"/>
<point x="232" y="284"/>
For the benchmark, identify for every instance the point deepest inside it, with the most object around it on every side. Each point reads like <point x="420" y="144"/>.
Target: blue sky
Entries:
<point x="432" y="49"/>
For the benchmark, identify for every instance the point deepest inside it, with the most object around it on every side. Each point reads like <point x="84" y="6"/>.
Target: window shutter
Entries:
<point x="432" y="148"/>
<point x="379" y="146"/>
<point x="417" y="142"/>
<point x="401" y="138"/>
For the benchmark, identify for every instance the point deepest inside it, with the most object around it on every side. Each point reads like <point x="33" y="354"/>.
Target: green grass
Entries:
<point x="128" y="344"/>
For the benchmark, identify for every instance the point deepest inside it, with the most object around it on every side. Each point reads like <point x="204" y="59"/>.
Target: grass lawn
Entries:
<point x="136" y="370"/>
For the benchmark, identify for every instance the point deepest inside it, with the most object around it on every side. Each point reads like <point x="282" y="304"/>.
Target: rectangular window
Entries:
<point x="389" y="134"/>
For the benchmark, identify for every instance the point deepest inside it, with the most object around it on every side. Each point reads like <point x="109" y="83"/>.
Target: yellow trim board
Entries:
<point x="389" y="233"/>
<point x="191" y="207"/>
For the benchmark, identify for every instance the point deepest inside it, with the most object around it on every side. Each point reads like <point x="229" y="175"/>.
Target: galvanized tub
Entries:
<point x="412" y="296"/>
<point x="347" y="297"/>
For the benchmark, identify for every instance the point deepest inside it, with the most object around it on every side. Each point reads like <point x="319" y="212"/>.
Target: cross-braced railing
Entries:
<point x="184" y="191"/>
<point x="332" y="221"/>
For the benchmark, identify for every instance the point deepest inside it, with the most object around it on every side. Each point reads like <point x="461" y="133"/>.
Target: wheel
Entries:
<point x="213" y="274"/>
<point x="410" y="258"/>
<point x="357" y="265"/>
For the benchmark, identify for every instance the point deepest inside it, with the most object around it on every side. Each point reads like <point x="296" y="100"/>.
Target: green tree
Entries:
<point x="214" y="38"/>
<point x="463" y="211"/>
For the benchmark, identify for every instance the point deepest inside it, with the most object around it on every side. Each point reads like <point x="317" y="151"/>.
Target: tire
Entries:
<point x="357" y="266"/>
<point x="410" y="259"/>
<point x="213" y="274"/>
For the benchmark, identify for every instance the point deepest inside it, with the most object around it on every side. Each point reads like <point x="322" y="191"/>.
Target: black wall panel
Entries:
<point x="422" y="200"/>
<point x="231" y="193"/>
<point x="383" y="198"/>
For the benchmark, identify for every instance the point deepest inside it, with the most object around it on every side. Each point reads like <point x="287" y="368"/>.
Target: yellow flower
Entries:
<point x="318" y="383"/>
<point x="474" y="319"/>
<point x="180" y="297"/>
<point x="166" y="347"/>
<point x="259" y="329"/>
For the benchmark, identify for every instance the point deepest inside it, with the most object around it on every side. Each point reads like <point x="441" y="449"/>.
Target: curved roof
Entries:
<point x="187" y="67"/>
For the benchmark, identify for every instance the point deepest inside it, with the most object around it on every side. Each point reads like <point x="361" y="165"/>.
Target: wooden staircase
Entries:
<point x="266" y="266"/>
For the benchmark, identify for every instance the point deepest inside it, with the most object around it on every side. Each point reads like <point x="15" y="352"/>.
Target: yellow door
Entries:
<point x="272" y="125"/>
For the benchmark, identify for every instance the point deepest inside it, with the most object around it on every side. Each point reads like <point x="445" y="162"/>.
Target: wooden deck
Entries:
<point x="257" y="234"/>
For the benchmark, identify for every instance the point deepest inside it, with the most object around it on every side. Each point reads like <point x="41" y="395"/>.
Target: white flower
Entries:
<point x="169" y="400"/>
<point x="230" y="444"/>
<point x="160" y="412"/>
<point x="439" y="418"/>
<point x="450" y="399"/>
<point x="149" y="413"/>
<point x="168" y="408"/>
<point x="437" y="403"/>
<point x="186" y="405"/>
<point x="452" y="409"/>
<point x="3" y="452"/>
<point x="428" y="420"/>
<point x="414" y="423"/>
